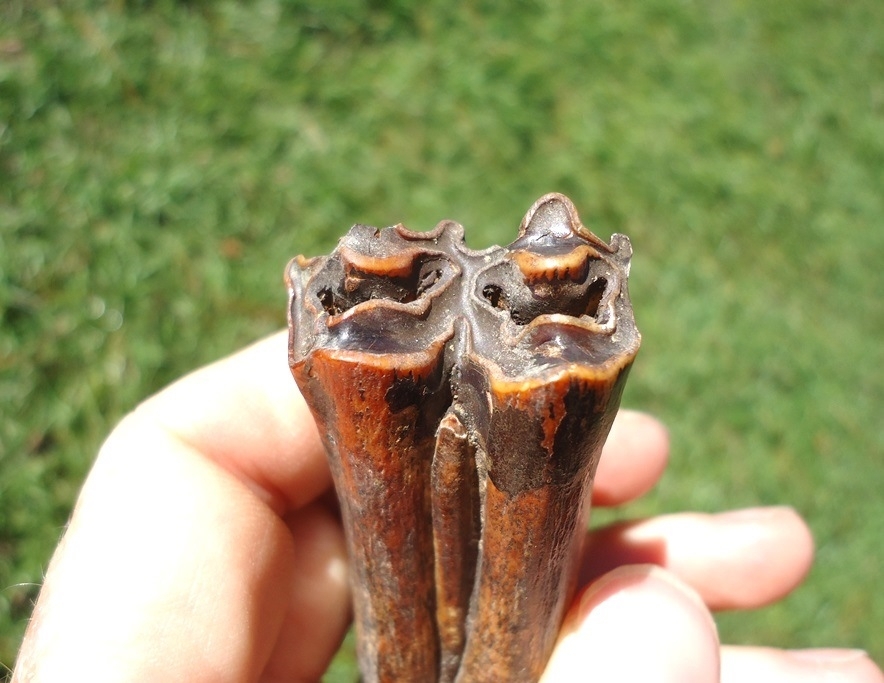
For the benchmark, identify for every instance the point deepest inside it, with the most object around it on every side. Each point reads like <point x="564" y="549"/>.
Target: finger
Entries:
<point x="734" y="560"/>
<point x="636" y="624"/>
<point x="317" y="614"/>
<point x="245" y="413"/>
<point x="169" y="571"/>
<point x="633" y="458"/>
<point x="172" y="567"/>
<point x="767" y="665"/>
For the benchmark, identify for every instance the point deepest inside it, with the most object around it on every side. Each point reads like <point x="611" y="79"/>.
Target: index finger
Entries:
<point x="245" y="412"/>
<point x="172" y="563"/>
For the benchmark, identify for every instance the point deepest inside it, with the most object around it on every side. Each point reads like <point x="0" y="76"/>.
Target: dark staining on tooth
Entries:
<point x="463" y="398"/>
<point x="594" y="296"/>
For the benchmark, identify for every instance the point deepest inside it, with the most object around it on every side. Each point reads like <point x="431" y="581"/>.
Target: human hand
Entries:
<point x="205" y="547"/>
<point x="644" y="614"/>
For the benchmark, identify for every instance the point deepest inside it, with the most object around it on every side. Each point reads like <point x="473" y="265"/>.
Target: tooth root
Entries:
<point x="380" y="451"/>
<point x="455" y="537"/>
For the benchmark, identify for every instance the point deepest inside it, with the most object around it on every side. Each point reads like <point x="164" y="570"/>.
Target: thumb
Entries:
<point x="636" y="623"/>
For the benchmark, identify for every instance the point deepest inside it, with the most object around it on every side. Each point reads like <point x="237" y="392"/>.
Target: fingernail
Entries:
<point x="638" y="609"/>
<point x="622" y="575"/>
<point x="828" y="656"/>
<point x="757" y="514"/>
<point x="629" y="574"/>
<point x="595" y="588"/>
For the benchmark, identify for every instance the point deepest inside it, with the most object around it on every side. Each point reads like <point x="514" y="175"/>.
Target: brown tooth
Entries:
<point x="455" y="506"/>
<point x="380" y="444"/>
<point x="544" y="444"/>
<point x="396" y="265"/>
<point x="463" y="399"/>
<point x="571" y="266"/>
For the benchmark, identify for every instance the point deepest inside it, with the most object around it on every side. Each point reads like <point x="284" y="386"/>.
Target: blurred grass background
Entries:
<point x="160" y="162"/>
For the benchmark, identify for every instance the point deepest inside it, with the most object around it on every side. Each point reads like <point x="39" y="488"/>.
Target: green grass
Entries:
<point x="160" y="161"/>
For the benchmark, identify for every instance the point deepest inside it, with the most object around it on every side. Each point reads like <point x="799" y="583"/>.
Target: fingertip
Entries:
<point x="775" y="550"/>
<point x="802" y="537"/>
<point x="633" y="459"/>
<point x="637" y="623"/>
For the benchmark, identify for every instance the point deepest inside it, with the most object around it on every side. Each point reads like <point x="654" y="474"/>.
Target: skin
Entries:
<point x="205" y="547"/>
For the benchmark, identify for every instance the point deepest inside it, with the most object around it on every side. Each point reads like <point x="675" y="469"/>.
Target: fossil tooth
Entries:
<point x="463" y="397"/>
